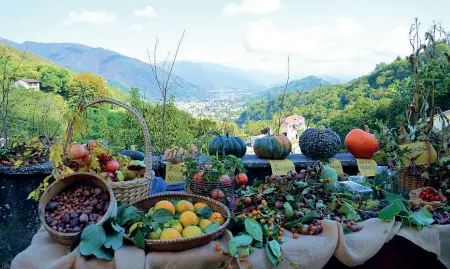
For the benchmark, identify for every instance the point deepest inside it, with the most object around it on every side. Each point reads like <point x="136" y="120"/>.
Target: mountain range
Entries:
<point x="193" y="80"/>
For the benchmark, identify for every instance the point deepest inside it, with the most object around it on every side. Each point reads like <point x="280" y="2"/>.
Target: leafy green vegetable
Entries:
<point x="253" y="228"/>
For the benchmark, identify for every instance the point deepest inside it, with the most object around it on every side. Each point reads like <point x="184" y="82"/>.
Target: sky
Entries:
<point x="344" y="38"/>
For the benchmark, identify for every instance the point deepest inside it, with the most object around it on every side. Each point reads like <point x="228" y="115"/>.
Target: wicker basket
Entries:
<point x="182" y="243"/>
<point x="204" y="188"/>
<point x="414" y="196"/>
<point x="60" y="185"/>
<point x="409" y="182"/>
<point x="131" y="191"/>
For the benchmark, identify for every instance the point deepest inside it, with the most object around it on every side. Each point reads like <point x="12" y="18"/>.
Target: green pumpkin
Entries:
<point x="273" y="147"/>
<point x="233" y="145"/>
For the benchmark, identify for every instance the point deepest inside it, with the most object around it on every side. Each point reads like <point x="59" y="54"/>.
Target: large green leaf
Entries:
<point x="237" y="242"/>
<point x="139" y="239"/>
<point x="92" y="239"/>
<point x="275" y="248"/>
<point x="310" y="217"/>
<point x="204" y="212"/>
<point x="114" y="240"/>
<point x="422" y="217"/>
<point x="211" y="227"/>
<point x="253" y="228"/>
<point x="273" y="259"/>
<point x="162" y="215"/>
<point x="103" y="253"/>
<point x="388" y="213"/>
<point x="129" y="213"/>
<point x="288" y="210"/>
<point x="350" y="212"/>
<point x="391" y="197"/>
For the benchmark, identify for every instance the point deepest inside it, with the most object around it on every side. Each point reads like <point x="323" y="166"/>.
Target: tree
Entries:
<point x="54" y="79"/>
<point x="86" y="86"/>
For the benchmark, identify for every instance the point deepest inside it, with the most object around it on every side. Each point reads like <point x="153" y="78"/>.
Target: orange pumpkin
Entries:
<point x="361" y="144"/>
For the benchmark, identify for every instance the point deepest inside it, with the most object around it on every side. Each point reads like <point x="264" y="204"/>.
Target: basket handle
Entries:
<point x="203" y="141"/>
<point x="145" y="130"/>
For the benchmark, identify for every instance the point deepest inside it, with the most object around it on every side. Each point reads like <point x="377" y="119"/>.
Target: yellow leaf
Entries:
<point x="14" y="144"/>
<point x="34" y="139"/>
<point x="18" y="163"/>
<point x="27" y="153"/>
<point x="47" y="178"/>
<point x="31" y="195"/>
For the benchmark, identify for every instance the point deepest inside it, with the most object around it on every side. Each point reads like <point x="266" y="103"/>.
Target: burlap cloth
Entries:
<point x="307" y="251"/>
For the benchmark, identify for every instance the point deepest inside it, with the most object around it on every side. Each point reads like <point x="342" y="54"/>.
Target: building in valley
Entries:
<point x="292" y="125"/>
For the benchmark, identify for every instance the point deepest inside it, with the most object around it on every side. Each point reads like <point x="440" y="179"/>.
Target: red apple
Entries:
<point x="112" y="166"/>
<point x="76" y="151"/>
<point x="241" y="179"/>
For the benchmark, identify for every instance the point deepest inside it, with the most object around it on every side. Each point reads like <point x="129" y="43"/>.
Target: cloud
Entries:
<point x="252" y="6"/>
<point x="135" y="27"/>
<point x="92" y="17"/>
<point x="147" y="11"/>
<point x="344" y="47"/>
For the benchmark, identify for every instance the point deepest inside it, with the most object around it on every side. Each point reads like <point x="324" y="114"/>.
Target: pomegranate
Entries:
<point x="273" y="177"/>
<point x="241" y="179"/>
<point x="198" y="175"/>
<point x="112" y="166"/>
<point x="225" y="181"/>
<point x="217" y="194"/>
<point x="76" y="151"/>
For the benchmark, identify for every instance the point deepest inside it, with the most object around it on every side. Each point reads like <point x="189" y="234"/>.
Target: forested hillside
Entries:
<point x="383" y="94"/>
<point x="34" y="113"/>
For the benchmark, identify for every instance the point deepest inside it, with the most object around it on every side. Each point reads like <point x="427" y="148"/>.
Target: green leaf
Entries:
<point x="162" y="215"/>
<point x="237" y="242"/>
<point x="269" y="191"/>
<point x="389" y="212"/>
<point x="423" y="217"/>
<point x="273" y="259"/>
<point x="391" y="197"/>
<point x="306" y="190"/>
<point x="117" y="227"/>
<point x="310" y="217"/>
<point x="114" y="240"/>
<point x="275" y="248"/>
<point x="103" y="253"/>
<point x="92" y="239"/>
<point x="204" y="212"/>
<point x="350" y="212"/>
<point x="329" y="172"/>
<point x="288" y="210"/>
<point x="211" y="227"/>
<point x="258" y="244"/>
<point x="290" y="198"/>
<point x="139" y="239"/>
<point x="253" y="228"/>
<point x="137" y="163"/>
<point x="119" y="175"/>
<point x="127" y="214"/>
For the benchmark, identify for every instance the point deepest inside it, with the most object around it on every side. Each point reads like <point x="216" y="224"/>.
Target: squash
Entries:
<point x="361" y="144"/>
<point x="233" y="145"/>
<point x="319" y="143"/>
<point x="272" y="147"/>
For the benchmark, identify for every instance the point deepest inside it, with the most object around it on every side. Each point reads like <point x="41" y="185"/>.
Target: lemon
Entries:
<point x="170" y="233"/>
<point x="188" y="218"/>
<point x="199" y="205"/>
<point x="178" y="227"/>
<point x="155" y="234"/>
<point x="190" y="231"/>
<point x="216" y="216"/>
<point x="134" y="226"/>
<point x="166" y="205"/>
<point x="204" y="223"/>
<point x="183" y="206"/>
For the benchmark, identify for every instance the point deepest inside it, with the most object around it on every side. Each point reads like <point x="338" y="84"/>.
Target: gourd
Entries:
<point x="361" y="143"/>
<point x="232" y="145"/>
<point x="319" y="143"/>
<point x="272" y="147"/>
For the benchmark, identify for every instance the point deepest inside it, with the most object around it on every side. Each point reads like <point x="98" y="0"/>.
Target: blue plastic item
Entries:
<point x="159" y="185"/>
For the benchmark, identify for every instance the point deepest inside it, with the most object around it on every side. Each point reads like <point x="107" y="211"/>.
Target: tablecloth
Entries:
<point x="308" y="251"/>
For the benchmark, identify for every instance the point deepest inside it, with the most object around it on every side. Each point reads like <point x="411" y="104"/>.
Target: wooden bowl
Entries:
<point x="182" y="243"/>
<point x="60" y="185"/>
